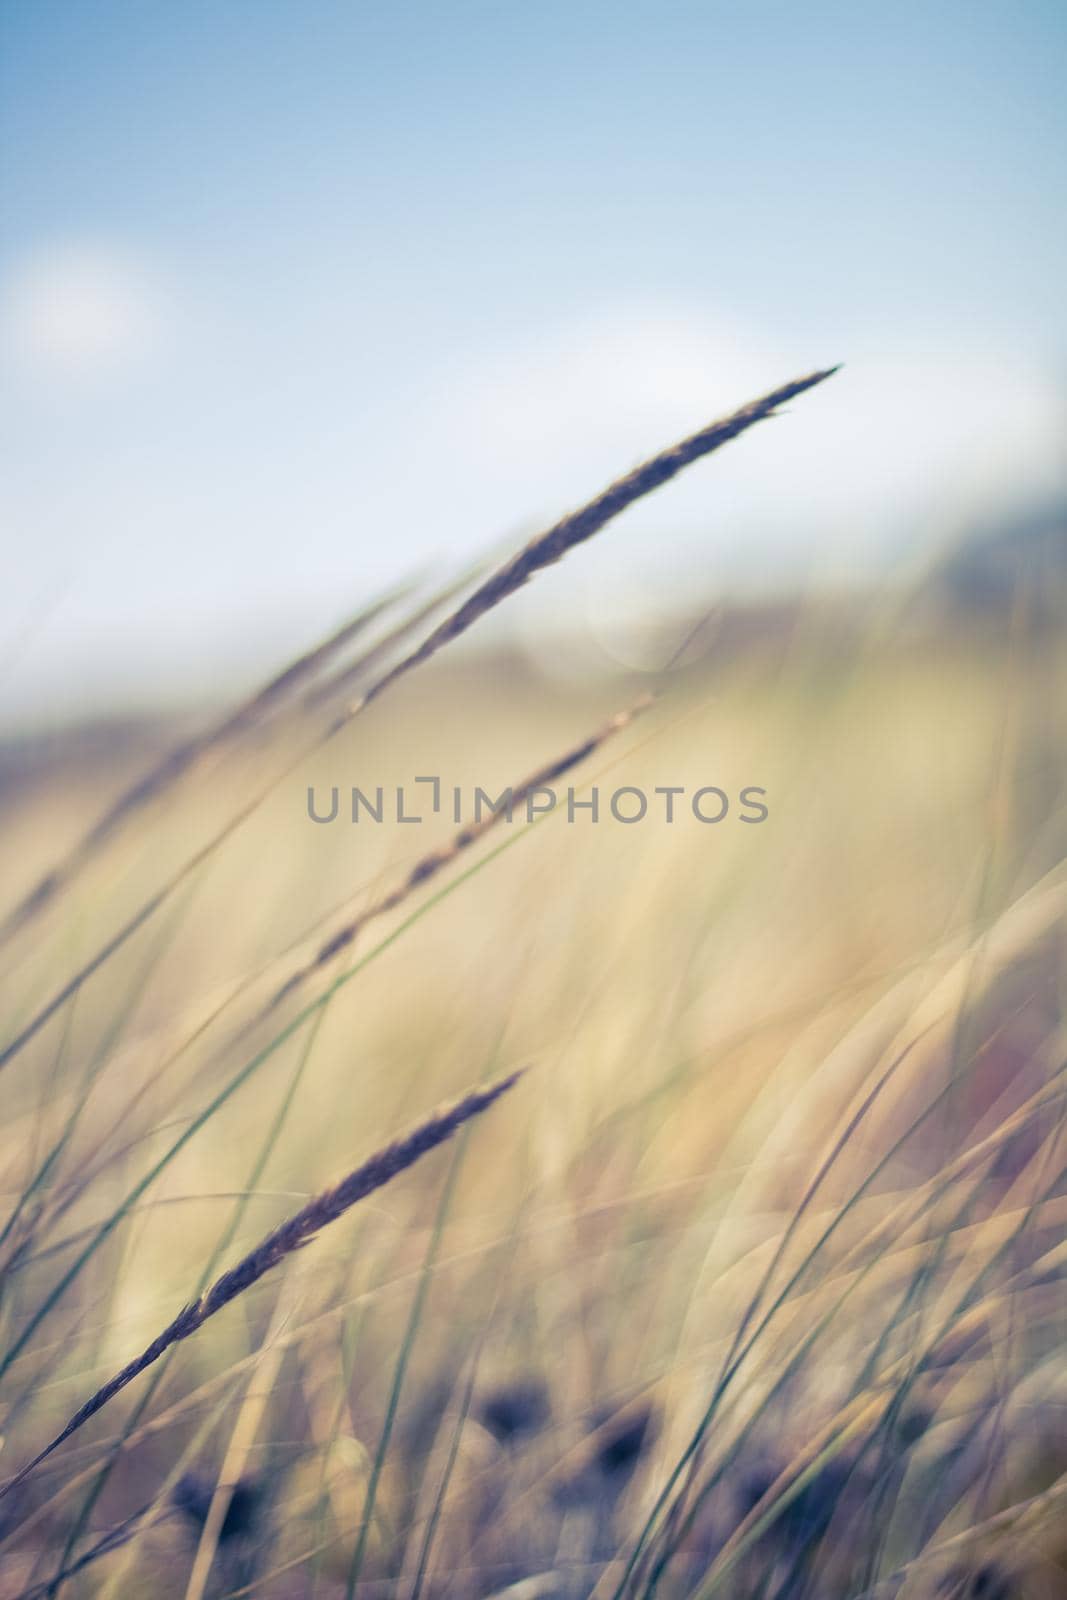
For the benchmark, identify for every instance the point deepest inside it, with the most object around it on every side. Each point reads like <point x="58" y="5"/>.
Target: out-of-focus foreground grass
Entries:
<point x="749" y="1287"/>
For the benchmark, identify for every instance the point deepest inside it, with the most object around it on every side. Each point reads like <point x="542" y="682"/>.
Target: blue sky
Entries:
<point x="297" y="294"/>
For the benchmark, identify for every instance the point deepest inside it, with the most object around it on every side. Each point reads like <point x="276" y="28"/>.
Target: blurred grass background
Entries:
<point x="700" y="1006"/>
<point x="753" y="1285"/>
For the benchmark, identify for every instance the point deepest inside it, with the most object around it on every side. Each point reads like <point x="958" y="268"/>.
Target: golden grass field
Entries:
<point x="752" y="1285"/>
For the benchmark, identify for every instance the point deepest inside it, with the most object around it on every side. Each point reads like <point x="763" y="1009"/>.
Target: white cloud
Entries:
<point x="80" y="310"/>
<point x="612" y="384"/>
<point x="900" y="438"/>
<point x="904" y="448"/>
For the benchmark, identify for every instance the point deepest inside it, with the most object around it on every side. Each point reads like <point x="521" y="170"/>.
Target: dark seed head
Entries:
<point x="622" y="1444"/>
<point x="515" y="1410"/>
<point x="808" y="1515"/>
<point x="989" y="1583"/>
<point x="985" y="1582"/>
<point x="193" y="1494"/>
<point x="913" y="1424"/>
<point x="754" y="1486"/>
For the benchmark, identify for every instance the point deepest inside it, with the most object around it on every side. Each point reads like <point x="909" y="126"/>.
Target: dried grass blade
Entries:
<point x="290" y="1236"/>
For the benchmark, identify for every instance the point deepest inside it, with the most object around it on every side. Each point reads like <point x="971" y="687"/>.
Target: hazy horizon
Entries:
<point x="296" y="301"/>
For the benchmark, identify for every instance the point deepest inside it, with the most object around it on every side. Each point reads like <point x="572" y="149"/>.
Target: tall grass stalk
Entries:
<point x="291" y="1235"/>
<point x="541" y="552"/>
